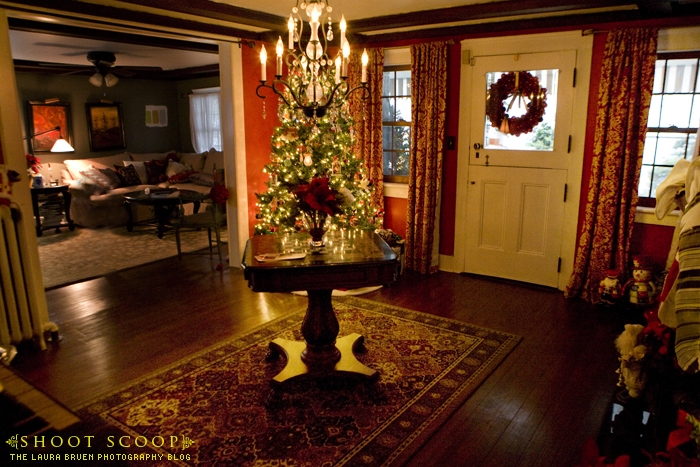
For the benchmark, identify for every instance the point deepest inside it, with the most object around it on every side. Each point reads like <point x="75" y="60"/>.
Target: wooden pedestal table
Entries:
<point x="282" y="263"/>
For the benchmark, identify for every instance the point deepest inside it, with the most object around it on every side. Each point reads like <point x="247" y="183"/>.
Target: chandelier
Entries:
<point x="315" y="82"/>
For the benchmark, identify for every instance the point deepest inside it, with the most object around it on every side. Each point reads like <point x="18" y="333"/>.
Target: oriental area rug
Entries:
<point x="218" y="408"/>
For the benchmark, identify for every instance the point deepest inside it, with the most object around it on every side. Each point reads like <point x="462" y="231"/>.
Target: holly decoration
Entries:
<point x="516" y="85"/>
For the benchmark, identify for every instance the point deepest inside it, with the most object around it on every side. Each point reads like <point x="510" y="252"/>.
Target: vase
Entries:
<point x="316" y="223"/>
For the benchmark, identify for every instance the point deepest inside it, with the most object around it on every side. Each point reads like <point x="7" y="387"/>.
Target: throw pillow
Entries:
<point x="203" y="179"/>
<point x="196" y="161"/>
<point x="94" y="175"/>
<point x="214" y="158"/>
<point x="155" y="171"/>
<point x="181" y="177"/>
<point x="140" y="170"/>
<point x="175" y="168"/>
<point x="115" y="181"/>
<point x="128" y="175"/>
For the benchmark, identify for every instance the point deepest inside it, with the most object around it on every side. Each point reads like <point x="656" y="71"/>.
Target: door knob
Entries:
<point x="477" y="146"/>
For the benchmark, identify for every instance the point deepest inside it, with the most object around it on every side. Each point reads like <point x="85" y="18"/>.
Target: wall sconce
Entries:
<point x="61" y="145"/>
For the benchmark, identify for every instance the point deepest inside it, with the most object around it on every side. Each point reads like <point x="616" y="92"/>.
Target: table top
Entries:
<point x="342" y="247"/>
<point x="50" y="189"/>
<point x="350" y="259"/>
<point x="154" y="197"/>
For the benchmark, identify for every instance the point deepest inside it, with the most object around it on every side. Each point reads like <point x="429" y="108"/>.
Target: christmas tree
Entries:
<point x="305" y="148"/>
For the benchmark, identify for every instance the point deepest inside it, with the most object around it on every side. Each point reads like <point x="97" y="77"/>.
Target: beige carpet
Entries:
<point x="67" y="257"/>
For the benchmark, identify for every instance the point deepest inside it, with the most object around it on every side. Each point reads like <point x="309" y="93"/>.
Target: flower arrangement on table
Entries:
<point x="317" y="200"/>
<point x="33" y="165"/>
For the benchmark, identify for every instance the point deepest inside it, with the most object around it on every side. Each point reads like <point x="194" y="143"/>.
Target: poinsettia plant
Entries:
<point x="219" y="194"/>
<point x="318" y="196"/>
<point x="33" y="164"/>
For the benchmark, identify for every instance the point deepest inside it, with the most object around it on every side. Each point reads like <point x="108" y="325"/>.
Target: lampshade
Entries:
<point x="61" y="145"/>
<point x="111" y="80"/>
<point x="96" y="80"/>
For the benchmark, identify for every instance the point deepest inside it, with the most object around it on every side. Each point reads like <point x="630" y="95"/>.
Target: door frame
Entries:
<point x="514" y="45"/>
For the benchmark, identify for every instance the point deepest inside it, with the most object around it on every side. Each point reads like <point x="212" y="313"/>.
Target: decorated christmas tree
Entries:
<point x="308" y="148"/>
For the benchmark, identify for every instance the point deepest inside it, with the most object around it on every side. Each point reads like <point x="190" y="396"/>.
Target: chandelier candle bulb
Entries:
<point x="290" y="26"/>
<point x="280" y="50"/>
<point x="365" y="60"/>
<point x="346" y="56"/>
<point x="343" y="27"/>
<point x="263" y="64"/>
<point x="337" y="69"/>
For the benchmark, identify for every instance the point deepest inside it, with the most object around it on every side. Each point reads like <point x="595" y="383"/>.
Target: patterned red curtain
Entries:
<point x="624" y="96"/>
<point x="428" y="98"/>
<point x="367" y="114"/>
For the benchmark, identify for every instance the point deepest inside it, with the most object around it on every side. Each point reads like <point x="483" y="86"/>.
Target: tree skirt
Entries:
<point x="218" y="408"/>
<point x="67" y="257"/>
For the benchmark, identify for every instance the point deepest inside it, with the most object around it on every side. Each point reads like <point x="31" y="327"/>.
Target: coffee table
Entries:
<point x="163" y="203"/>
<point x="349" y="260"/>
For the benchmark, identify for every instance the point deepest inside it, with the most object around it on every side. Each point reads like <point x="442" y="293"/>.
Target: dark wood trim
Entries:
<point x="110" y="15"/>
<point x="477" y="12"/>
<point x="219" y="11"/>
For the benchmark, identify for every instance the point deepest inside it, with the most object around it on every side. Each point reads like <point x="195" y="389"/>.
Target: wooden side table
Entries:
<point x="53" y="203"/>
<point x="349" y="260"/>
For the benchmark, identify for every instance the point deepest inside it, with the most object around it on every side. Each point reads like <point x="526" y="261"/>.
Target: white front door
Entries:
<point x="515" y="223"/>
<point x="516" y="188"/>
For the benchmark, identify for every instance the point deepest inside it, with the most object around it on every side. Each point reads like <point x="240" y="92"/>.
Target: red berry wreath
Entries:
<point x="528" y="86"/>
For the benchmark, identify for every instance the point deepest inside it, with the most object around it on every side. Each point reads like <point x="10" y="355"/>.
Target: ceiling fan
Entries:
<point x="102" y="71"/>
<point x="103" y="62"/>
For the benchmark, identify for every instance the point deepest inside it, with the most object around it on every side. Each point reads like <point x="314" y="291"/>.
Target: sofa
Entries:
<point x="98" y="185"/>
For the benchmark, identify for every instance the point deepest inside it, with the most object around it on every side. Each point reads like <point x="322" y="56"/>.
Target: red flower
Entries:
<point x="219" y="194"/>
<point x="33" y="163"/>
<point x="318" y="196"/>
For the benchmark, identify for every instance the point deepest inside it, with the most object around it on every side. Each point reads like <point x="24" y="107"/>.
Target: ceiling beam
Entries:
<point x="482" y="11"/>
<point x="57" y="29"/>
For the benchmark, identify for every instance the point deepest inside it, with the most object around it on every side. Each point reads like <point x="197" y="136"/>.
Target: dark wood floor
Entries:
<point x="537" y="409"/>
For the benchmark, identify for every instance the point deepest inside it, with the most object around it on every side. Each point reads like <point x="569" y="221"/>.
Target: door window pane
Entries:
<point x="516" y="106"/>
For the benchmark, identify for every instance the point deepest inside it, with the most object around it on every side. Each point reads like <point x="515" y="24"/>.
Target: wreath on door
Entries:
<point x="520" y="85"/>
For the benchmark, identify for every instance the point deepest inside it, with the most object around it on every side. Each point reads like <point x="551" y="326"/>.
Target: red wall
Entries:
<point x="258" y="130"/>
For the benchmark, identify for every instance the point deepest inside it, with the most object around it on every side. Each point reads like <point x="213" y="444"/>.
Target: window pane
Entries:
<point x="388" y="109"/>
<point x="644" y="189"/>
<point x="695" y="114"/>
<point x="402" y="138"/>
<point x="401" y="163"/>
<point x="387" y="163"/>
<point x="680" y="75"/>
<point x="659" y="76"/>
<point x="649" y="148"/>
<point x="541" y="138"/>
<point x="403" y="83"/>
<point x="675" y="110"/>
<point x="403" y="109"/>
<point x="654" y="111"/>
<point x="388" y="88"/>
<point x="386" y="138"/>
<point x="670" y="148"/>
<point x="660" y="174"/>
<point x="691" y="145"/>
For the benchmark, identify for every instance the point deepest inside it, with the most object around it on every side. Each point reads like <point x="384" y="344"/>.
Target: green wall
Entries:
<point x="133" y="94"/>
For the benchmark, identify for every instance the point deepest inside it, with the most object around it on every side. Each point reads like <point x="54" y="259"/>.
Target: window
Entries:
<point x="396" y="122"/>
<point x="674" y="116"/>
<point x="205" y="119"/>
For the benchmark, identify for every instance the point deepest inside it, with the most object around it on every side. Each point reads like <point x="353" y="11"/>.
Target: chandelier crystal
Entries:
<point x="315" y="81"/>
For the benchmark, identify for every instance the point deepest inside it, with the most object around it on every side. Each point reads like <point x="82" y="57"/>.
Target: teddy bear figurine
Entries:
<point x="640" y="288"/>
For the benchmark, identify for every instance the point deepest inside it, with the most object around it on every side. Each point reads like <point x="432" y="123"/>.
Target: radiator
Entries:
<point x="23" y="315"/>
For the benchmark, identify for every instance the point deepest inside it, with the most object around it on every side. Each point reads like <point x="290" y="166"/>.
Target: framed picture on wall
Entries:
<point x="105" y="126"/>
<point x="47" y="123"/>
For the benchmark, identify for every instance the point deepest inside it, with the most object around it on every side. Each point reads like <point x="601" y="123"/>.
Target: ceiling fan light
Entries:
<point x="111" y="80"/>
<point x="96" y="80"/>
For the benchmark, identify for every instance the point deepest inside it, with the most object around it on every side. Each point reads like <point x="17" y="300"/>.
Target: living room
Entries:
<point x="505" y="421"/>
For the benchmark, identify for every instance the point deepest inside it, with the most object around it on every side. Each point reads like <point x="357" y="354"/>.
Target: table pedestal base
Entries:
<point x="346" y="365"/>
